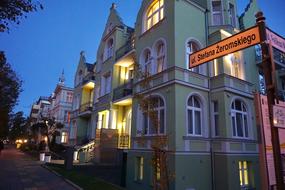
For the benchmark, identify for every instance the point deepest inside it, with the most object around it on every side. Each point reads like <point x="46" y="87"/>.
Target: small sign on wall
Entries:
<point x="279" y="116"/>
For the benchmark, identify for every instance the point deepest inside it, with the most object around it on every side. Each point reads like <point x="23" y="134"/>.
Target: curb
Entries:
<point x="66" y="180"/>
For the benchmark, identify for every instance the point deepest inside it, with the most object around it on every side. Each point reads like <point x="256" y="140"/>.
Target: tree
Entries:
<point x="18" y="127"/>
<point x="12" y="11"/>
<point x="147" y="104"/>
<point x="10" y="88"/>
<point x="49" y="128"/>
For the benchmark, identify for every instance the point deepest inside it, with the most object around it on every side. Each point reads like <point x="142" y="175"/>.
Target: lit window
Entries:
<point x="154" y="116"/>
<point x="155" y="13"/>
<point x="139" y="169"/>
<point x="239" y="119"/>
<point x="191" y="48"/>
<point x="160" y="60"/>
<point x="194" y="115"/>
<point x="243" y="173"/>
<point x="235" y="71"/>
<point x="63" y="137"/>
<point x="217" y="12"/>
<point x="103" y="119"/>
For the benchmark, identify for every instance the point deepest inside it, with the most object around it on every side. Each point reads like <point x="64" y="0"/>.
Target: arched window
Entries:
<point x="154" y="14"/>
<point x="109" y="49"/>
<point x="147" y="61"/>
<point x="160" y="56"/>
<point x="191" y="48"/>
<point x="194" y="116"/>
<point x="154" y="116"/>
<point x="239" y="117"/>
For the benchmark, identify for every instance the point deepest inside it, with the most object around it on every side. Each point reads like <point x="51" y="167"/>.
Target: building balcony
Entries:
<point x="229" y="83"/>
<point x="123" y="91"/>
<point x="85" y="109"/>
<point x="125" y="49"/>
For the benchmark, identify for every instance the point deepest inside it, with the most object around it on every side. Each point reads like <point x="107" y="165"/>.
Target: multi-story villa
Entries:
<point x="39" y="110"/>
<point x="114" y="80"/>
<point x="61" y="107"/>
<point x="82" y="128"/>
<point x="204" y="116"/>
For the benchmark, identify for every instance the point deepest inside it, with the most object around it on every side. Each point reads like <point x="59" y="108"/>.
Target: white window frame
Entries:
<point x="150" y="18"/>
<point x="244" y="113"/>
<point x="160" y="55"/>
<point x="147" y="64"/>
<point x="194" y="109"/>
<point x="232" y="17"/>
<point x="189" y="51"/>
<point x="157" y="109"/>
<point x="217" y="12"/>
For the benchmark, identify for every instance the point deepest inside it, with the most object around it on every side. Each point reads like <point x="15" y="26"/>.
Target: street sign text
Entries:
<point x="229" y="45"/>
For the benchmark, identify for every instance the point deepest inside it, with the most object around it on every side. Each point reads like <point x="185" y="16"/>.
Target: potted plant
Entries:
<point x="47" y="157"/>
<point x="42" y="146"/>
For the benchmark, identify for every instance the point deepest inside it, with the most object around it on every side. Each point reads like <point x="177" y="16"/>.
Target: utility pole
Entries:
<point x="268" y="71"/>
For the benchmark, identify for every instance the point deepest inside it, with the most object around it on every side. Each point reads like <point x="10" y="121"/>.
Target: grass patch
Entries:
<point x="86" y="182"/>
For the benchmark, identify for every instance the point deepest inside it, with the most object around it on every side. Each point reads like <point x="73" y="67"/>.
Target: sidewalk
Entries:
<point x="20" y="172"/>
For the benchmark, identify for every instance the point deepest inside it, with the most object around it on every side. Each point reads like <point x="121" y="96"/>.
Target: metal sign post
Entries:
<point x="270" y="89"/>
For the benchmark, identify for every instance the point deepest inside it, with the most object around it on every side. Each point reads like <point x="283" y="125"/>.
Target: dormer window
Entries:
<point x="154" y="14"/>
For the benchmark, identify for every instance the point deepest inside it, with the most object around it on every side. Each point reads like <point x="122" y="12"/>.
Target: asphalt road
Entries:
<point x="19" y="171"/>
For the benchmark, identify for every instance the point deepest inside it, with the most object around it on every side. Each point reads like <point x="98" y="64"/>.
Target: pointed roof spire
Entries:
<point x="114" y="6"/>
<point x="61" y="78"/>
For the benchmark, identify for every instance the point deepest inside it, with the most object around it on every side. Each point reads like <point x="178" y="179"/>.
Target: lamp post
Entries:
<point x="268" y="71"/>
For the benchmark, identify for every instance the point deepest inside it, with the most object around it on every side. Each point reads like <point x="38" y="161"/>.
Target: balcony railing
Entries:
<point x="87" y="107"/>
<point x="123" y="91"/>
<point x="124" y="141"/>
<point x="125" y="49"/>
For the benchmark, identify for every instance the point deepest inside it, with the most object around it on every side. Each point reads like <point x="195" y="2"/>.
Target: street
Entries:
<point x="19" y="171"/>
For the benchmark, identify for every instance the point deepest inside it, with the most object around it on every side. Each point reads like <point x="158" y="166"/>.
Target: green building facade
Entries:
<point x="205" y="115"/>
